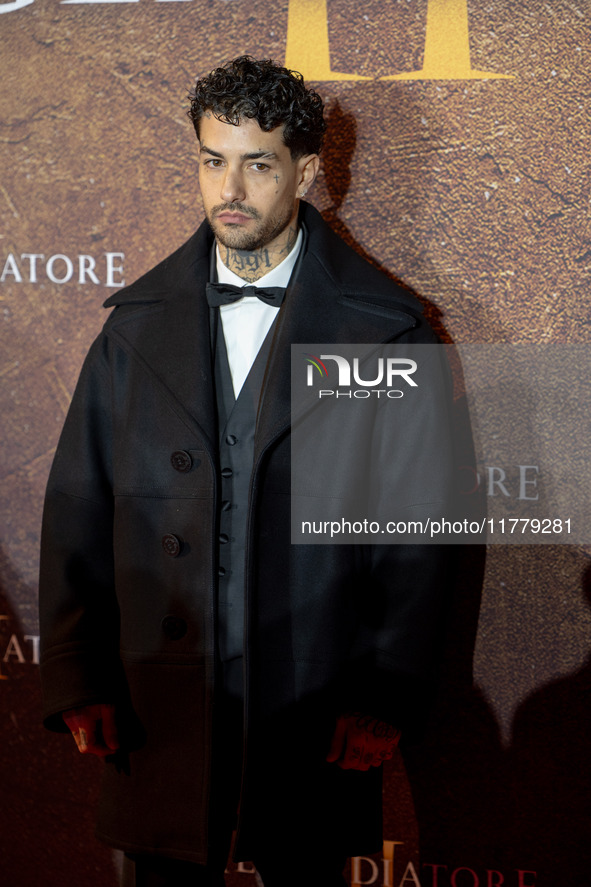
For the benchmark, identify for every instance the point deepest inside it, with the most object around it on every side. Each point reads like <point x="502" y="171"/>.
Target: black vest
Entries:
<point x="237" y="419"/>
<point x="236" y="424"/>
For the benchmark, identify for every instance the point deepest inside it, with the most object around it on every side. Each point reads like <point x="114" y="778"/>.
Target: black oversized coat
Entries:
<point x="328" y="627"/>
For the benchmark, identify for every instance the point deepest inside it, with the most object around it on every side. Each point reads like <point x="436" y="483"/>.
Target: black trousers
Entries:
<point x="275" y="869"/>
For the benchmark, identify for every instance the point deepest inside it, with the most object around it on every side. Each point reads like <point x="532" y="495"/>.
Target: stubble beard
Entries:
<point x="234" y="238"/>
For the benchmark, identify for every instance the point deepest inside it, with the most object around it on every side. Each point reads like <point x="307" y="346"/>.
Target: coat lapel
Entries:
<point x="321" y="308"/>
<point x="164" y="322"/>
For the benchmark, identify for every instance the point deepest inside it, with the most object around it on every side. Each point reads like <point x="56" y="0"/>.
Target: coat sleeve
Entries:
<point x="79" y="617"/>
<point x="405" y="587"/>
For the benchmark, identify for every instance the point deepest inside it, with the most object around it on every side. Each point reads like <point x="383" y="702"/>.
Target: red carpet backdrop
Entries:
<point x="457" y="160"/>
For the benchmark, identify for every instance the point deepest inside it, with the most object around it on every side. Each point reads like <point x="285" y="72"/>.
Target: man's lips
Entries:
<point x="232" y="218"/>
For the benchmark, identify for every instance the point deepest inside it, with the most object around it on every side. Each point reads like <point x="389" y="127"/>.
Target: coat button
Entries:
<point x="174" y="627"/>
<point x="171" y="545"/>
<point x="224" y="538"/>
<point x="227" y="472"/>
<point x="181" y="461"/>
<point x="231" y="439"/>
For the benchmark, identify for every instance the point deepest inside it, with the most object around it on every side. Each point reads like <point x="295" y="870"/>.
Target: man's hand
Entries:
<point x="93" y="728"/>
<point x="361" y="742"/>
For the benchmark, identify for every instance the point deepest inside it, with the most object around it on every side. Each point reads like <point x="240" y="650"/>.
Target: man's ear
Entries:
<point x="309" y="166"/>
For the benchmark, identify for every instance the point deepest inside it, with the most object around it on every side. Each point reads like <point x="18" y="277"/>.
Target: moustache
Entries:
<point x="236" y="207"/>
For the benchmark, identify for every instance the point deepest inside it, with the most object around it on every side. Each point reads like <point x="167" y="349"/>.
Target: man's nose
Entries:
<point x="233" y="189"/>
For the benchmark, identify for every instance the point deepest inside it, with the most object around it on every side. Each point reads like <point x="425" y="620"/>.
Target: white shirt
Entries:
<point x="246" y="322"/>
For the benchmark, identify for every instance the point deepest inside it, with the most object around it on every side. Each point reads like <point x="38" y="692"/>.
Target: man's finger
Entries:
<point x="77" y="739"/>
<point x="85" y="725"/>
<point x="354" y="752"/>
<point x="110" y="735"/>
<point x="338" y="740"/>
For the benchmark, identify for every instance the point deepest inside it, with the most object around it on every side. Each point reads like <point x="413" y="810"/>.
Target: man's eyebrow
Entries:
<point x="253" y="155"/>
<point x="256" y="155"/>
<point x="210" y="151"/>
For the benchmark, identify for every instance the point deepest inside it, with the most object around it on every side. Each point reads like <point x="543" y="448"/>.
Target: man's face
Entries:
<point x="249" y="183"/>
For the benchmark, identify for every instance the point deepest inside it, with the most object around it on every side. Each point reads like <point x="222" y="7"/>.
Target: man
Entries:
<point x="217" y="667"/>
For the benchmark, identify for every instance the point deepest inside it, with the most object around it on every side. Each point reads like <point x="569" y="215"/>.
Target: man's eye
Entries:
<point x="214" y="162"/>
<point x="260" y="167"/>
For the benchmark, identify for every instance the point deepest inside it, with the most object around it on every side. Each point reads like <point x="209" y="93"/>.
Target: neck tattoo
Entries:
<point x="251" y="265"/>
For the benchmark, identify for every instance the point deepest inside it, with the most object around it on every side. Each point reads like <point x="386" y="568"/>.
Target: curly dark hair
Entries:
<point x="267" y="93"/>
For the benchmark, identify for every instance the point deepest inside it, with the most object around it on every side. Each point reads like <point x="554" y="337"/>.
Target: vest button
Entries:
<point x="231" y="439"/>
<point x="181" y="461"/>
<point x="171" y="545"/>
<point x="224" y="538"/>
<point x="174" y="627"/>
<point x="226" y="505"/>
<point x="222" y="571"/>
<point x="227" y="472"/>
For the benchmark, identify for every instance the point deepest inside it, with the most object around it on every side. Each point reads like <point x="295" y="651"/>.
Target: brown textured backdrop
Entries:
<point x="475" y="193"/>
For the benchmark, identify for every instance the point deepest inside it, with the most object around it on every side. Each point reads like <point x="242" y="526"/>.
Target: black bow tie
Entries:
<point x="225" y="293"/>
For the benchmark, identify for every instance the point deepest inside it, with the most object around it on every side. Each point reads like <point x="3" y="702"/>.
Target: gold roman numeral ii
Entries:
<point x="447" y="44"/>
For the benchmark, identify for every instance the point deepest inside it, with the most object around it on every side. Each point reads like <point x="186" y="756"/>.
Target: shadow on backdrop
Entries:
<point x="549" y="775"/>
<point x="338" y="151"/>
